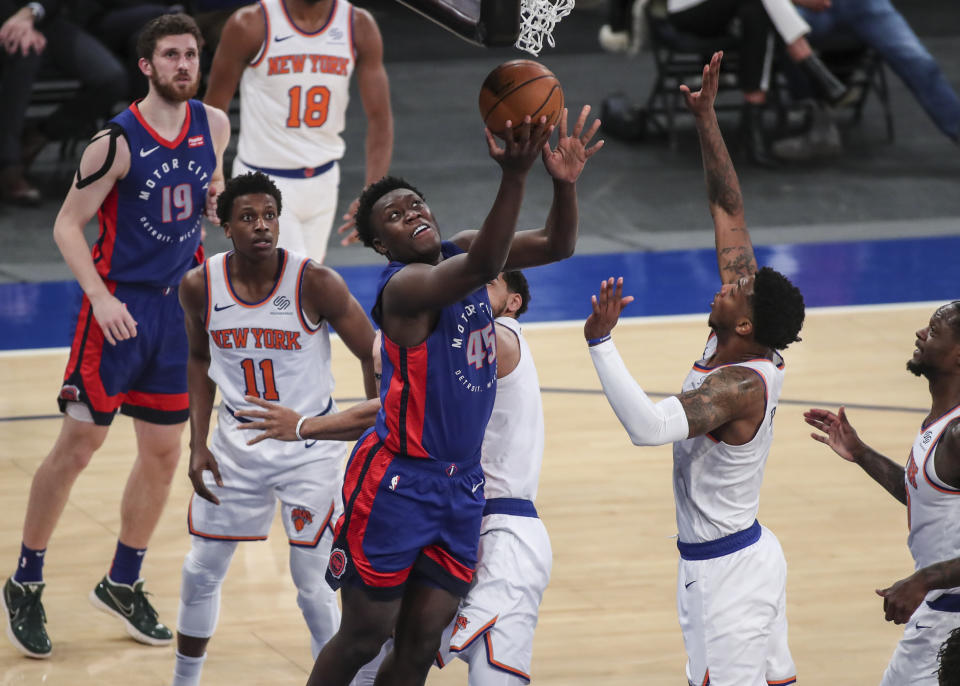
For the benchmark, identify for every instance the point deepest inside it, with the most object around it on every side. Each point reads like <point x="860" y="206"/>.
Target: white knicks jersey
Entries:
<point x="512" y="450"/>
<point x="294" y="95"/>
<point x="716" y="485"/>
<point x="933" y="508"/>
<point x="267" y="350"/>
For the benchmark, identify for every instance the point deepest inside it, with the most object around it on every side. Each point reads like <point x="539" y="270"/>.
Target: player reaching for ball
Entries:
<point x="406" y="545"/>
<point x="731" y="586"/>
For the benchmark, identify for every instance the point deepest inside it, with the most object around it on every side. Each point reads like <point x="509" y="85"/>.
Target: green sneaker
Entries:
<point x="130" y="605"/>
<point x="25" y="618"/>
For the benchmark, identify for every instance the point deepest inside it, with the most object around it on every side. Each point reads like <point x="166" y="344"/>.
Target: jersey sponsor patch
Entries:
<point x="195" y="141"/>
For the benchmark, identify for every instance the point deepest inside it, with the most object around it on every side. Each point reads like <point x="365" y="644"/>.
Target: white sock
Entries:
<point x="186" y="671"/>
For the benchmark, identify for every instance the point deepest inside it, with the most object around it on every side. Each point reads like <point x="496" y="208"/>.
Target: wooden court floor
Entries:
<point x="608" y="617"/>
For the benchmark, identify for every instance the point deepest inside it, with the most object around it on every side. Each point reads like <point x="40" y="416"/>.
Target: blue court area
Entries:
<point x="40" y="315"/>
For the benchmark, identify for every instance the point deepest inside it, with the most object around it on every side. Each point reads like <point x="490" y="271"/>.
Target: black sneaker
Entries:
<point x="130" y="605"/>
<point x="25" y="618"/>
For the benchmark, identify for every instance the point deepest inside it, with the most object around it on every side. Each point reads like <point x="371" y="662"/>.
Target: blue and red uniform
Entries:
<point x="413" y="488"/>
<point x="150" y="227"/>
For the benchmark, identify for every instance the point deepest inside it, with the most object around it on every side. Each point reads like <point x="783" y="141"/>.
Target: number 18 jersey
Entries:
<point x="294" y="95"/>
<point x="265" y="349"/>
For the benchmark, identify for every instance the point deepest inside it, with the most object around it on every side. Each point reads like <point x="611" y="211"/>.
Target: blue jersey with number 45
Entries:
<point x="150" y="221"/>
<point x="436" y="397"/>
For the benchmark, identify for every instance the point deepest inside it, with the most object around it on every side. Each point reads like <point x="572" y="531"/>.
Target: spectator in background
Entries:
<point x="31" y="33"/>
<point x="117" y="24"/>
<point x="879" y="25"/>
<point x="710" y="18"/>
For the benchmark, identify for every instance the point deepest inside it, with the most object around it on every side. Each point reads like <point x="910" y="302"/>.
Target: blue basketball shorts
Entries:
<point x="144" y="377"/>
<point x="406" y="516"/>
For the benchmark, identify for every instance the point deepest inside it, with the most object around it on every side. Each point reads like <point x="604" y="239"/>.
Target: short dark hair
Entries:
<point x="517" y="283"/>
<point x="245" y="184"/>
<point x="778" y="309"/>
<point x="163" y="26"/>
<point x="368" y="199"/>
<point x="949" y="658"/>
<point x="954" y="322"/>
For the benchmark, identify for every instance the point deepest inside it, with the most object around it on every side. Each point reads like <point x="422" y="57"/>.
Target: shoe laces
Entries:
<point x="28" y="606"/>
<point x="140" y="600"/>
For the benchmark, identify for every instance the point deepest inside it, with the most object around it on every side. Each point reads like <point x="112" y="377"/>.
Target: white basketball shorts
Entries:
<point x="306" y="483"/>
<point x="914" y="660"/>
<point x="733" y="616"/>
<point x="500" y="612"/>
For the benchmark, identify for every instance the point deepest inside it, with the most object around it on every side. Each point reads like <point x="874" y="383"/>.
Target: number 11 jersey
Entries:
<point x="294" y="95"/>
<point x="266" y="349"/>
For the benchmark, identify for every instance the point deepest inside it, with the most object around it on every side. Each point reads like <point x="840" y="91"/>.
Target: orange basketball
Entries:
<point x="516" y="89"/>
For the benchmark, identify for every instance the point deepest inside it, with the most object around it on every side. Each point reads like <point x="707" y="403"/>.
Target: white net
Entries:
<point x="537" y="19"/>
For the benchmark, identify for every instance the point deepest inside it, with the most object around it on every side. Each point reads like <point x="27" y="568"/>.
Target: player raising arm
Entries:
<point x="927" y="601"/>
<point x="732" y="607"/>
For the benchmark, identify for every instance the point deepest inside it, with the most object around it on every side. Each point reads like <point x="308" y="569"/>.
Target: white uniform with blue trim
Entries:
<point x="933" y="516"/>
<point x="495" y="625"/>
<point x="731" y="584"/>
<point x="267" y="349"/>
<point x="293" y="104"/>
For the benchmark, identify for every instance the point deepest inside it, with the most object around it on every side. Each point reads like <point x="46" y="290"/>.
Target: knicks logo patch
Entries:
<point x="301" y="517"/>
<point x="912" y="470"/>
<point x="460" y="623"/>
<point x="337" y="563"/>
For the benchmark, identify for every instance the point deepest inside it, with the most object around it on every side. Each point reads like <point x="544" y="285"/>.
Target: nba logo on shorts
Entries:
<point x="337" y="563"/>
<point x="394" y="481"/>
<point x="451" y="470"/>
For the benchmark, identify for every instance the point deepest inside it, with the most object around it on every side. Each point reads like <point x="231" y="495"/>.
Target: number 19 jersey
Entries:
<point x="294" y="95"/>
<point x="265" y="349"/>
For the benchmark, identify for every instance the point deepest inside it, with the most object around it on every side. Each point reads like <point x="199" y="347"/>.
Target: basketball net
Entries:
<point x="537" y="19"/>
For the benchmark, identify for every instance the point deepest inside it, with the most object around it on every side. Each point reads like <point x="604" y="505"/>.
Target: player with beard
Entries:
<point x="150" y="175"/>
<point x="927" y="601"/>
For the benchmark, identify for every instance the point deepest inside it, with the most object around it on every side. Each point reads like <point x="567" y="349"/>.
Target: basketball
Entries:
<point x="516" y="89"/>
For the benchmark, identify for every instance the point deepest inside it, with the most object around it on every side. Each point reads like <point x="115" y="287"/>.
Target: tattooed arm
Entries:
<point x="903" y="598"/>
<point x="732" y="398"/>
<point x="840" y="435"/>
<point x="734" y="249"/>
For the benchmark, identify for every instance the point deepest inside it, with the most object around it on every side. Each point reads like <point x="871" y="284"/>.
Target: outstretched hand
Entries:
<point x="837" y="432"/>
<point x="606" y="309"/>
<point x="701" y="102"/>
<point x="276" y="421"/>
<point x="521" y="147"/>
<point x="566" y="161"/>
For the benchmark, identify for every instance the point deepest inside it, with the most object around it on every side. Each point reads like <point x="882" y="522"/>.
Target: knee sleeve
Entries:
<point x="317" y="601"/>
<point x="203" y="572"/>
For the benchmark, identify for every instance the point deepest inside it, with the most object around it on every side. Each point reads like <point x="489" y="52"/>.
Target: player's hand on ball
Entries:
<point x="202" y="460"/>
<point x="606" y="309"/>
<point x="276" y="421"/>
<point x="522" y="145"/>
<point x="566" y="161"/>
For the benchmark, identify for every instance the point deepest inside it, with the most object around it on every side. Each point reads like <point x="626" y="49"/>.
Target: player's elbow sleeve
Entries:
<point x="665" y="422"/>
